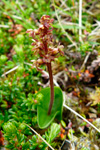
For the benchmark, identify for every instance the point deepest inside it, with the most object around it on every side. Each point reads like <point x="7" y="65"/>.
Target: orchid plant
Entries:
<point x="43" y="45"/>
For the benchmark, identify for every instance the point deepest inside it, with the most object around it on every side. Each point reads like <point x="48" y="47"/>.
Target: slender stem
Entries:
<point x="51" y="87"/>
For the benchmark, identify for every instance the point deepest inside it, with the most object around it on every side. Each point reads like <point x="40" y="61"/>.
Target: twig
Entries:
<point x="40" y="137"/>
<point x="89" y="12"/>
<point x="9" y="71"/>
<point x="79" y="115"/>
<point x="4" y="26"/>
<point x="17" y="17"/>
<point x="93" y="5"/>
<point x="85" y="60"/>
<point x="80" y="20"/>
<point x="59" y="74"/>
<point x="66" y="9"/>
<point x="63" y="3"/>
<point x="69" y="23"/>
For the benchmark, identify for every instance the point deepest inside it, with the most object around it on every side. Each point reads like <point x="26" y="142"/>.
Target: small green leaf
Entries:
<point x="44" y="119"/>
<point x="52" y="132"/>
<point x="63" y="123"/>
<point x="3" y="58"/>
<point x="10" y="64"/>
<point x="84" y="148"/>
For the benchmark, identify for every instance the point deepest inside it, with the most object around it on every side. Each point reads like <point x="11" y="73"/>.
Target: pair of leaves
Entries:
<point x="44" y="119"/>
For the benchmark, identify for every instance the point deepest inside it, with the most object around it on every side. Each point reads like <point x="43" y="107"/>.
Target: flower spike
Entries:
<point x="44" y="46"/>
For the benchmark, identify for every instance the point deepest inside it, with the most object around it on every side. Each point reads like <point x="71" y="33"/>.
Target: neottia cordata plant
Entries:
<point x="43" y="45"/>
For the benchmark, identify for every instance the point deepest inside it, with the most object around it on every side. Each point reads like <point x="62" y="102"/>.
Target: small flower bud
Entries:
<point x="41" y="26"/>
<point x="29" y="31"/>
<point x="38" y="44"/>
<point x="33" y="41"/>
<point x="36" y="31"/>
<point x="55" y="51"/>
<point x="35" y="101"/>
<point x="39" y="61"/>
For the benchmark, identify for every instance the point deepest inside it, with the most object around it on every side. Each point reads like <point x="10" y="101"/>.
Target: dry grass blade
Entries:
<point x="40" y="136"/>
<point x="65" y="33"/>
<point x="80" y="20"/>
<point x="81" y="117"/>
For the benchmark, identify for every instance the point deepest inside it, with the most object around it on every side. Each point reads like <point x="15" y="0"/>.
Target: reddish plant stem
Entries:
<point x="51" y="87"/>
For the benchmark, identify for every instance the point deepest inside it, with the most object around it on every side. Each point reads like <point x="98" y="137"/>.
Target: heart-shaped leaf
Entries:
<point x="44" y="119"/>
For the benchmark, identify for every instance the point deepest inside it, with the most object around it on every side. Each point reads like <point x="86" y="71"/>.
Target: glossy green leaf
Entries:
<point x="44" y="119"/>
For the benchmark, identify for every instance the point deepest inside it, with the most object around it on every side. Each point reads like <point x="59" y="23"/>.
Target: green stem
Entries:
<point x="51" y="87"/>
